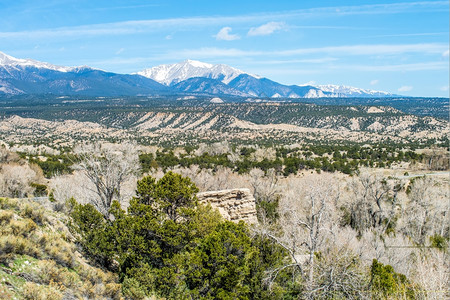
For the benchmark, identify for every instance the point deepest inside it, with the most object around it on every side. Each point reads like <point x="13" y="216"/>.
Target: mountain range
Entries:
<point x="27" y="76"/>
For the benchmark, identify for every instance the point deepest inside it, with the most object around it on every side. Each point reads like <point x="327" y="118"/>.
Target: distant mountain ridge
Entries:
<point x="15" y="63"/>
<point x="191" y="76"/>
<point x="170" y="74"/>
<point x="27" y="76"/>
<point x="349" y="91"/>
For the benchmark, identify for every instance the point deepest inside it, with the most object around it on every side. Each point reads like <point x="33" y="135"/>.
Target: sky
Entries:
<point x="400" y="47"/>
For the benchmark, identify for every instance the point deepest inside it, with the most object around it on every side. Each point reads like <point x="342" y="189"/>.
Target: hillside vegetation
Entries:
<point x="171" y="122"/>
<point x="137" y="233"/>
<point x="40" y="260"/>
<point x="99" y="200"/>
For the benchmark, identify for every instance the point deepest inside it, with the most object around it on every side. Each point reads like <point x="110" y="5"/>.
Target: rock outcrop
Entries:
<point x="234" y="205"/>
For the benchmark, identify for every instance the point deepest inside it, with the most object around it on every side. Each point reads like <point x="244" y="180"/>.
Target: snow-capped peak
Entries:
<point x="10" y="61"/>
<point x="7" y="60"/>
<point x="348" y="91"/>
<point x="173" y="73"/>
<point x="198" y="64"/>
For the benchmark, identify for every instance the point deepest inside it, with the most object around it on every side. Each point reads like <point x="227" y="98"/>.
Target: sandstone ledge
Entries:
<point x="234" y="204"/>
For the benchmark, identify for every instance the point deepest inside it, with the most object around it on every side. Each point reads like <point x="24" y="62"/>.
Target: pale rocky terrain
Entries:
<point x="233" y="204"/>
<point x="179" y="127"/>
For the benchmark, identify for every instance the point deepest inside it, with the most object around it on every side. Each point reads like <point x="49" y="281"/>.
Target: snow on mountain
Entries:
<point x="176" y="74"/>
<point x="23" y="76"/>
<point x="170" y="74"/>
<point x="314" y="94"/>
<point x="204" y="85"/>
<point x="348" y="91"/>
<point x="9" y="61"/>
<point x="7" y="88"/>
<point x="26" y="76"/>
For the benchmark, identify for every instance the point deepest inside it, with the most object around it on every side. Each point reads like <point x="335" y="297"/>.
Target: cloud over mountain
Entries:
<point x="224" y="34"/>
<point x="266" y="29"/>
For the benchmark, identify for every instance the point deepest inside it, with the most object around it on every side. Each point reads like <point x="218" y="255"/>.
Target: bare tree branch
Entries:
<point x="107" y="167"/>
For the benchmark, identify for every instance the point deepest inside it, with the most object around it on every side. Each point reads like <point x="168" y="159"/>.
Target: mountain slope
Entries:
<point x="27" y="76"/>
<point x="263" y="87"/>
<point x="18" y="63"/>
<point x="181" y="76"/>
<point x="20" y="76"/>
<point x="170" y="74"/>
<point x="208" y="86"/>
<point x="349" y="91"/>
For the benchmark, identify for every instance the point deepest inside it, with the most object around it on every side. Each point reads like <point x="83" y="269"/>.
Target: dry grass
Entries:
<point x="7" y="203"/>
<point x="33" y="291"/>
<point x="5" y="216"/>
<point x="5" y="292"/>
<point x="34" y="213"/>
<point x="38" y="261"/>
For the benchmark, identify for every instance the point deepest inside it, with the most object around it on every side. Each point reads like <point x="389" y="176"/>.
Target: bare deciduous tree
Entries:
<point x="432" y="274"/>
<point x="15" y="180"/>
<point x="306" y="220"/>
<point x="7" y="156"/>
<point x="107" y="167"/>
<point x="264" y="186"/>
<point x="214" y="148"/>
<point x="339" y="272"/>
<point x="427" y="210"/>
<point x="368" y="204"/>
<point x="209" y="180"/>
<point x="74" y="185"/>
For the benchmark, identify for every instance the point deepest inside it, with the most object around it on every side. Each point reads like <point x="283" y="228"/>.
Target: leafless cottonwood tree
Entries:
<point x="436" y="158"/>
<point x="432" y="274"/>
<point x="107" y="167"/>
<point x="427" y="211"/>
<point x="214" y="148"/>
<point x="263" y="153"/>
<point x="370" y="194"/>
<point x="210" y="180"/>
<point x="15" y="180"/>
<point x="7" y="156"/>
<point x="306" y="221"/>
<point x="339" y="271"/>
<point x="74" y="185"/>
<point x="265" y="187"/>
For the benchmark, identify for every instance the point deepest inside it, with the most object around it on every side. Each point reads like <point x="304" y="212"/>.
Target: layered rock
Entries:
<point x="234" y="204"/>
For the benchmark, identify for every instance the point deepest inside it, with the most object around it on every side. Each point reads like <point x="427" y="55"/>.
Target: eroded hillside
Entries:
<point x="188" y="124"/>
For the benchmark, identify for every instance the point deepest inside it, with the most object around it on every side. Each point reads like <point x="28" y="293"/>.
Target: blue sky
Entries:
<point x="395" y="46"/>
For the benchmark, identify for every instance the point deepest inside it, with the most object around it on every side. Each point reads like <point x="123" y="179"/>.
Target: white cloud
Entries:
<point x="224" y="34"/>
<point x="405" y="88"/>
<point x="445" y="53"/>
<point x="444" y="88"/>
<point x="209" y="52"/>
<point x="142" y="26"/>
<point x="410" y="34"/>
<point x="439" y="65"/>
<point x="119" y="51"/>
<point x="376" y="49"/>
<point x="266" y="29"/>
<point x="365" y="49"/>
<point x="373" y="82"/>
<point x="322" y="60"/>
